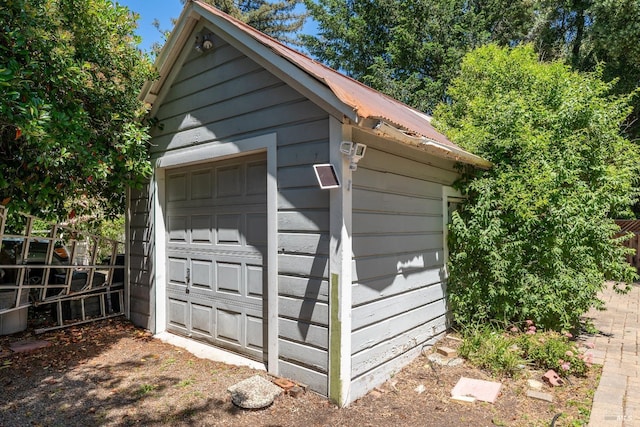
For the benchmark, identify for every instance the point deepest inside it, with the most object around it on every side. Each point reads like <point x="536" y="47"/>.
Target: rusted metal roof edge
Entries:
<point x="353" y="94"/>
<point x="434" y="147"/>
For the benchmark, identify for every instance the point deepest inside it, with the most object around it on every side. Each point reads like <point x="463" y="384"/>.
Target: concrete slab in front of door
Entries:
<point x="205" y="351"/>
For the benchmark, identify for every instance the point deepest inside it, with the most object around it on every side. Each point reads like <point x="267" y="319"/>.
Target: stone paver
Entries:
<point x="617" y="346"/>
<point x="24" y="346"/>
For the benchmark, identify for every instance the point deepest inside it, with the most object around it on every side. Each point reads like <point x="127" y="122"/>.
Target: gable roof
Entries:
<point x="329" y="88"/>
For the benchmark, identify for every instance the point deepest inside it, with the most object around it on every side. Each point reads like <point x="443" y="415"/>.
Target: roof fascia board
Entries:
<point x="174" y="70"/>
<point x="299" y="79"/>
<point x="440" y="150"/>
<point x="170" y="53"/>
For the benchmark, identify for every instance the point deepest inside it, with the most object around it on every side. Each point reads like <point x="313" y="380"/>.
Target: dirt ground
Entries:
<point x="110" y="373"/>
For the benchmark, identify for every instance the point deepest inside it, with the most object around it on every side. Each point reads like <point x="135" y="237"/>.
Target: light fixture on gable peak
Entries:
<point x="204" y="42"/>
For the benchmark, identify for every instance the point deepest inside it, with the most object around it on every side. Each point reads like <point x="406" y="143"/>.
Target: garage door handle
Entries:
<point x="188" y="280"/>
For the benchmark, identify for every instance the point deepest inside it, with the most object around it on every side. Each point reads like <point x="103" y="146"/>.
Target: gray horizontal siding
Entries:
<point x="303" y="265"/>
<point x="225" y="96"/>
<point x="316" y="380"/>
<point x="376" y="376"/>
<point x="141" y="247"/>
<point x="303" y="287"/>
<point x="304" y="355"/>
<point x="385" y="330"/>
<point x="392" y="284"/>
<point x="304" y="243"/>
<point x="303" y="198"/>
<point x="307" y="310"/>
<point x="304" y="220"/>
<point x="370" y="358"/>
<point x="398" y="264"/>
<point x="398" y="298"/>
<point x="395" y="306"/>
<point x="304" y="332"/>
<point x="269" y="118"/>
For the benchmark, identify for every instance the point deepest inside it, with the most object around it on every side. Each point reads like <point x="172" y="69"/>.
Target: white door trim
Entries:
<point x="448" y="193"/>
<point x="207" y="153"/>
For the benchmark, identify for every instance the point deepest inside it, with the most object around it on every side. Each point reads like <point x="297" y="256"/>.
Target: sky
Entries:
<point x="149" y="10"/>
<point x="164" y="11"/>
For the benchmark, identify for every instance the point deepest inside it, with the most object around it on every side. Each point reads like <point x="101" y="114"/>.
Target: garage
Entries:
<point x="216" y="251"/>
<point x="269" y="168"/>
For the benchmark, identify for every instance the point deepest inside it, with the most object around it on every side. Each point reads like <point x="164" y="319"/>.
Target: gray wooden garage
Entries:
<point x="295" y="217"/>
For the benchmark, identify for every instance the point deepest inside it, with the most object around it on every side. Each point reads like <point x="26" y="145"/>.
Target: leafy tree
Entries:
<point x="70" y="120"/>
<point x="412" y="49"/>
<point x="534" y="239"/>
<point x="277" y="19"/>
<point x="588" y="34"/>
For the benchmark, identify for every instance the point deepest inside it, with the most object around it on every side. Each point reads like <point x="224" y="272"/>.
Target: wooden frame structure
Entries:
<point x="45" y="268"/>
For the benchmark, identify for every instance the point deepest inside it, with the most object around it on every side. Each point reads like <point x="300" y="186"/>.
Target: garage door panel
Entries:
<point x="201" y="318"/>
<point x="229" y="277"/>
<point x="177" y="187"/>
<point x="228" y="326"/>
<point x="202" y="273"/>
<point x="177" y="270"/>
<point x="254" y="332"/>
<point x="255" y="281"/>
<point x="201" y="185"/>
<point x="178" y="313"/>
<point x="256" y="234"/>
<point x="228" y="229"/>
<point x="229" y="181"/>
<point x="177" y="228"/>
<point x="202" y="229"/>
<point x="256" y="178"/>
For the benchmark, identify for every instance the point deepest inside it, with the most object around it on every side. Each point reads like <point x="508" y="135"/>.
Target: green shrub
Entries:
<point x="492" y="350"/>
<point x="552" y="350"/>
<point x="535" y="239"/>
<point x="506" y="353"/>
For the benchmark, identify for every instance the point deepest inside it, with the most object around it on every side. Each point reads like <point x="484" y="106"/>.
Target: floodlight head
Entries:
<point x="346" y="148"/>
<point x="358" y="152"/>
<point x="355" y="151"/>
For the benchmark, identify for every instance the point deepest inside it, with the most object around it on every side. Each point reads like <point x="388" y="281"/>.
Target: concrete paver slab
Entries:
<point x="487" y="391"/>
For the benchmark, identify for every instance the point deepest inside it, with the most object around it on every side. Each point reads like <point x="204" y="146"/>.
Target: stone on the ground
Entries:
<point x="254" y="393"/>
<point x="284" y="383"/>
<point x="540" y="395"/>
<point x="466" y="399"/>
<point x="535" y="384"/>
<point x="444" y="361"/>
<point x="447" y="351"/>
<point x="486" y="391"/>
<point x="552" y="378"/>
<point x="24" y="346"/>
<point x="295" y="391"/>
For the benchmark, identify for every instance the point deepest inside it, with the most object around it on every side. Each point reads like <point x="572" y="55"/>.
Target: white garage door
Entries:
<point x="216" y="253"/>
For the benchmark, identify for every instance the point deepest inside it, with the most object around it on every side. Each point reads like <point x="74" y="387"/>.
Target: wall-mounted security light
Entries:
<point x="326" y="176"/>
<point x="204" y="42"/>
<point x="355" y="151"/>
